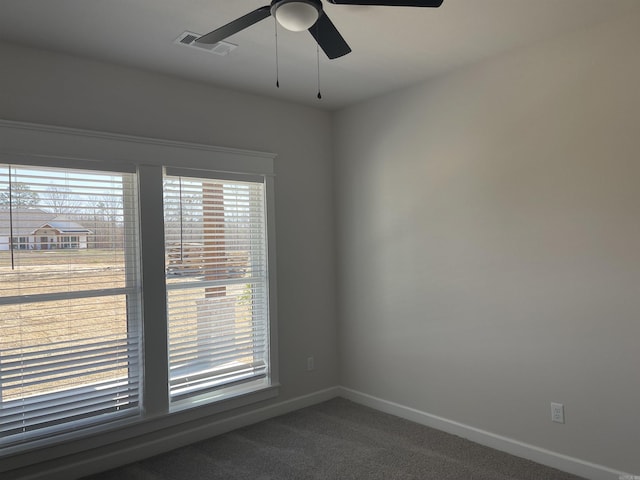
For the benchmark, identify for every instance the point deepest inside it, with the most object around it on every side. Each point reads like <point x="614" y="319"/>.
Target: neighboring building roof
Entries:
<point x="27" y="220"/>
<point x="66" y="226"/>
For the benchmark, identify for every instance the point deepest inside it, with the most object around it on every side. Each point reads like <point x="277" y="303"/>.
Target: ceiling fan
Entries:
<point x="299" y="15"/>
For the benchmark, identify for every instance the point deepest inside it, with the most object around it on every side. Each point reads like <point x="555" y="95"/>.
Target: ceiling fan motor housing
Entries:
<point x="296" y="15"/>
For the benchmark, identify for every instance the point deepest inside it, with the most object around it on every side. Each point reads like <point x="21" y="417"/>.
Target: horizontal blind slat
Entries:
<point x="49" y="411"/>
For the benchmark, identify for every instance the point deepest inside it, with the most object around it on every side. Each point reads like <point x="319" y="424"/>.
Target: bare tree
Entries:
<point x="19" y="194"/>
<point x="104" y="215"/>
<point x="61" y="200"/>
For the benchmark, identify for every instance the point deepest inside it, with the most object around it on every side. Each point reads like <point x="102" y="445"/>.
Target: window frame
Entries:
<point x="32" y="144"/>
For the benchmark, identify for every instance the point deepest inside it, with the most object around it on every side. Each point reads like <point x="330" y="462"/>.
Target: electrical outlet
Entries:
<point x="311" y="364"/>
<point x="557" y="412"/>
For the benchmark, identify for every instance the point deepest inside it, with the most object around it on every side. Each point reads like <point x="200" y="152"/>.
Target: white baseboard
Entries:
<point x="115" y="456"/>
<point x="539" y="455"/>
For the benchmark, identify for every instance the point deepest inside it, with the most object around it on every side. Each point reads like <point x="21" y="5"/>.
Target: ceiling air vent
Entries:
<point x="189" y="39"/>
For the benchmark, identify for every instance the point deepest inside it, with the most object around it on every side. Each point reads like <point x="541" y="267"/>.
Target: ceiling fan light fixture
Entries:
<point x="297" y="15"/>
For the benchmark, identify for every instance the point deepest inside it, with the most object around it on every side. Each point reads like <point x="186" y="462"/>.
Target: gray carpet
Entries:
<point x="337" y="439"/>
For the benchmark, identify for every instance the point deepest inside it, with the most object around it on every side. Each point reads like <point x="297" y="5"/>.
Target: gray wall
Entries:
<point x="43" y="87"/>
<point x="489" y="245"/>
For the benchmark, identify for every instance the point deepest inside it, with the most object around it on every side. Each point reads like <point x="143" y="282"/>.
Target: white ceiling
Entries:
<point x="392" y="46"/>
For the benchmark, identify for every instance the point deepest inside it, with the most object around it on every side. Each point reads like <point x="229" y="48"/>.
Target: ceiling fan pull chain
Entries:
<point x="318" y="60"/>
<point x="277" y="68"/>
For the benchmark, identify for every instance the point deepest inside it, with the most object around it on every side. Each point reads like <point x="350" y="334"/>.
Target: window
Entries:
<point x="134" y="295"/>
<point x="217" y="285"/>
<point x="70" y="321"/>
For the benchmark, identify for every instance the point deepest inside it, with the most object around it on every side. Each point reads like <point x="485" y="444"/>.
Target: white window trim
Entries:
<point x="34" y="144"/>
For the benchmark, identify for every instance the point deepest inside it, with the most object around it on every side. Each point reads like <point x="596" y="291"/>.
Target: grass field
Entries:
<point x="35" y="327"/>
<point x="32" y="329"/>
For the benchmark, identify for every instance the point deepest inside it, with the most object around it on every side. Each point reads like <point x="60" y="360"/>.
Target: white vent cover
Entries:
<point x="189" y="39"/>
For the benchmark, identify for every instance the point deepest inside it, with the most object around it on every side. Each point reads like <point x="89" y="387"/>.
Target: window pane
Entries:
<point x="72" y="221"/>
<point x="216" y="283"/>
<point x="69" y="295"/>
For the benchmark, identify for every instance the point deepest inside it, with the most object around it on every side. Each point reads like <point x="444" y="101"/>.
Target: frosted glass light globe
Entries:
<point x="296" y="15"/>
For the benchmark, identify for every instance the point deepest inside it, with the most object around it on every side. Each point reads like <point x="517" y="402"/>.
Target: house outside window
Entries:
<point x="39" y="228"/>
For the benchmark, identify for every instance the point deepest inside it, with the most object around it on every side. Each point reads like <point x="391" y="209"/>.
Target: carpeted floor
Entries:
<point x="337" y="439"/>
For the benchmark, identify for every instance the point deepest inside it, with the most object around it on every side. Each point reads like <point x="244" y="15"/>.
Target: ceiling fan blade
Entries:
<point x="329" y="38"/>
<point x="390" y="3"/>
<point x="237" y="25"/>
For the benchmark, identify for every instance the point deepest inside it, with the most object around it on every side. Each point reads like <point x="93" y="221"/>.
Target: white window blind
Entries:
<point x="69" y="300"/>
<point x="217" y="287"/>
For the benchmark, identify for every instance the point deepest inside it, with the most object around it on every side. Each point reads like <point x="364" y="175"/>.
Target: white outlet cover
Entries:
<point x="557" y="412"/>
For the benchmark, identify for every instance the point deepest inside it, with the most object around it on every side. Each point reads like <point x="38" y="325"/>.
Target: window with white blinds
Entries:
<point x="217" y="283"/>
<point x="69" y="300"/>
